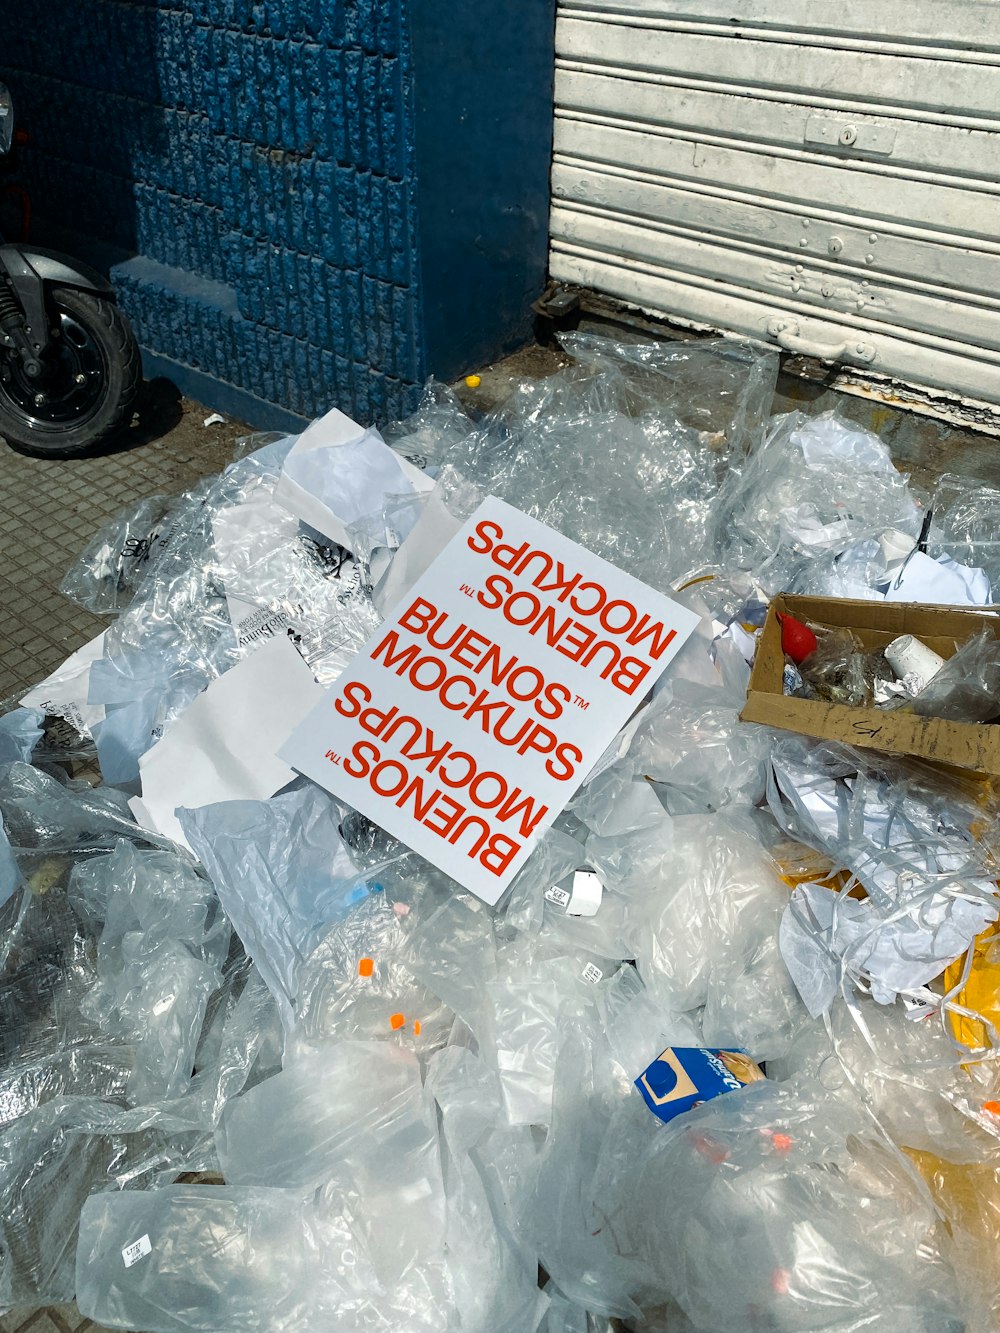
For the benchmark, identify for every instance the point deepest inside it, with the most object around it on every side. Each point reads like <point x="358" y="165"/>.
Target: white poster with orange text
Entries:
<point x="470" y="718"/>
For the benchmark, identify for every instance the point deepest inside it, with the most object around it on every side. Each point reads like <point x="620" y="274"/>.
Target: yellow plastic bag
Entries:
<point x="981" y="991"/>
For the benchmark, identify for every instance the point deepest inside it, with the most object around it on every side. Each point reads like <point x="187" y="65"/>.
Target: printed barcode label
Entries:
<point x="558" y="896"/>
<point x="136" y="1251"/>
<point x="592" y="973"/>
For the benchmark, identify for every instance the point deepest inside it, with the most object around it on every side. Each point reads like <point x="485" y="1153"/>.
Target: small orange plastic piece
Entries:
<point x="992" y="1107"/>
<point x="416" y="1028"/>
<point x="397" y="1021"/>
<point x="366" y="967"/>
<point x="782" y="1142"/>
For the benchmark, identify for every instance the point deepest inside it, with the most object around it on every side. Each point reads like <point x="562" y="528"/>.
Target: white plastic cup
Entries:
<point x="909" y="657"/>
<point x="896" y="546"/>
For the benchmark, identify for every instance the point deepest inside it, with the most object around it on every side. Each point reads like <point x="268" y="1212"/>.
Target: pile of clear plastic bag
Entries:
<point x="287" y="1075"/>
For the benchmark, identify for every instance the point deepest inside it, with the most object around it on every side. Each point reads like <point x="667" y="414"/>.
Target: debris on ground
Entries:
<point x="720" y="1049"/>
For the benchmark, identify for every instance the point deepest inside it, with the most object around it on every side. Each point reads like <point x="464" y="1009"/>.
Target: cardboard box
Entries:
<point x="960" y="744"/>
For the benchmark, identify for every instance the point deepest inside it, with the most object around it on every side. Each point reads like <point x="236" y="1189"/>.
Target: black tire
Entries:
<point x="91" y="385"/>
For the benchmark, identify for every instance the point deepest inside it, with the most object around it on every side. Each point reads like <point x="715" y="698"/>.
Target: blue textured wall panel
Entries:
<point x="483" y="142"/>
<point x="328" y="199"/>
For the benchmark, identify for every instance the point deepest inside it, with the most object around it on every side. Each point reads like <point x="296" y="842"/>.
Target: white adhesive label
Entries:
<point x="557" y="895"/>
<point x="592" y="973"/>
<point x="136" y="1251"/>
<point x="587" y="894"/>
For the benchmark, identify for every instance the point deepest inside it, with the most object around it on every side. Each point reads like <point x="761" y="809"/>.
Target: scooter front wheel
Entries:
<point x="86" y="393"/>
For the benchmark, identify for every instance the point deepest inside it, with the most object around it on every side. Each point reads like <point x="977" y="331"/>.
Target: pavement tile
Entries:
<point x="50" y="510"/>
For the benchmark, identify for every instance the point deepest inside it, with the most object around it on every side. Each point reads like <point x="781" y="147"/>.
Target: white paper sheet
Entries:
<point x="222" y="747"/>
<point x="337" y="471"/>
<point x="941" y="582"/>
<point x="64" y="693"/>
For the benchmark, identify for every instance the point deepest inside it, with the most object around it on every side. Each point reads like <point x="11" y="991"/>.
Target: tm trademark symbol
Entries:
<point x="469" y="592"/>
<point x="333" y="757"/>
<point x="581" y="702"/>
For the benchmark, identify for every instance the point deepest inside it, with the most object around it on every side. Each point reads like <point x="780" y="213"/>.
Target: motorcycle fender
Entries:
<point x="58" y="270"/>
<point x="31" y="269"/>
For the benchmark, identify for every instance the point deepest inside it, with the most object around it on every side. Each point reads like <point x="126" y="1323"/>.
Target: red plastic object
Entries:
<point x="797" y="640"/>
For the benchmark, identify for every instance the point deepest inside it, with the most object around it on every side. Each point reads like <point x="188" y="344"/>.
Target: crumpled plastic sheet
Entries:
<point x="110" y="568"/>
<point x="785" y="1174"/>
<point x="816" y="485"/>
<point x="597" y="452"/>
<point x="282" y="871"/>
<point x="967" y="687"/>
<point x="966" y="523"/>
<point x="126" y="1020"/>
<point x="929" y="880"/>
<point x="417" y="1102"/>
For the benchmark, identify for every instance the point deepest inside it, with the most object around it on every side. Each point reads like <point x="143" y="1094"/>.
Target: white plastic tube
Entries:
<point x="909" y="657"/>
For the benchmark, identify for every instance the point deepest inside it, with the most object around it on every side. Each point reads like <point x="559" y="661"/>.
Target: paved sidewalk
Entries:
<point x="51" y="509"/>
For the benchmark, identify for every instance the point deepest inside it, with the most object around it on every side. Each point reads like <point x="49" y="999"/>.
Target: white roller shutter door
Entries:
<point x="823" y="177"/>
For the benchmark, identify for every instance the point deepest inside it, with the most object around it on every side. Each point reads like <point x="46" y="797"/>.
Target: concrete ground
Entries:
<point x="50" y="510"/>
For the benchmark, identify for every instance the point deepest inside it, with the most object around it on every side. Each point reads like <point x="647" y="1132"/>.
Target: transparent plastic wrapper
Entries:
<point x="969" y="1197"/>
<point x="177" y="635"/>
<point x="114" y="982"/>
<point x="112" y="565"/>
<point x="357" y="984"/>
<point x="597" y="452"/>
<point x="693" y="745"/>
<point x="564" y="1316"/>
<point x="853" y="571"/>
<point x="159" y="959"/>
<point x="898" y="1065"/>
<point x="46" y="819"/>
<point x="966" y="524"/>
<point x="704" y="908"/>
<point x="934" y="1103"/>
<point x="20" y="732"/>
<point x="452" y="951"/>
<point x="356" y="1115"/>
<point x="279" y="575"/>
<point x="534" y="985"/>
<point x="218" y="1259"/>
<point x="719" y="387"/>
<point x="814" y="486"/>
<point x="784" y="1179"/>
<point x="130" y="689"/>
<point x="10" y="876"/>
<point x="967" y="687"/>
<point x="283" y="873"/>
<point x="425" y="436"/>
<point x="442" y="513"/>
<point x="572" y="1217"/>
<point x="840" y="671"/>
<point x="488" y="1171"/>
